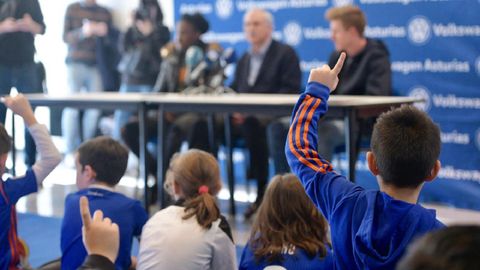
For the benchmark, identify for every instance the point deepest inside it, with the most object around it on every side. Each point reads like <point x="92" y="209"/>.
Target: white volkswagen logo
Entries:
<point x="419" y="30"/>
<point x="224" y="8"/>
<point x="292" y="33"/>
<point x="423" y="93"/>
<point x="339" y="3"/>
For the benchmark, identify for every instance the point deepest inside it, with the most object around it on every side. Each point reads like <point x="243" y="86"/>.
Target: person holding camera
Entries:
<point x="141" y="60"/>
<point x="86" y="25"/>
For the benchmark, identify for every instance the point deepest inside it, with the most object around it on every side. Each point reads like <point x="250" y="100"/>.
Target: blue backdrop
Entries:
<point x="435" y="54"/>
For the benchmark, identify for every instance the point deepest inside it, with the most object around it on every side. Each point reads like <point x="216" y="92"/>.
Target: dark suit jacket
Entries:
<point x="279" y="73"/>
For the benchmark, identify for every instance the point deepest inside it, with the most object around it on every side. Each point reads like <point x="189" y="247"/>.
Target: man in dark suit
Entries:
<point x="268" y="67"/>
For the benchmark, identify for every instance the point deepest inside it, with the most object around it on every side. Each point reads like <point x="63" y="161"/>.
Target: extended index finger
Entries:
<point x="339" y="64"/>
<point x="85" y="212"/>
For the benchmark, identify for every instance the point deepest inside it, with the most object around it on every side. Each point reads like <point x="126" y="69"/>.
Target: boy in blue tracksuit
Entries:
<point x="369" y="229"/>
<point x="100" y="164"/>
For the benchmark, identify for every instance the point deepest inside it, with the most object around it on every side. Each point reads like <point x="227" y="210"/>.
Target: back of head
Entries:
<point x="150" y="9"/>
<point x="197" y="20"/>
<point x="107" y="157"/>
<point x="287" y="217"/>
<point x="452" y="248"/>
<point x="406" y="145"/>
<point x="197" y="174"/>
<point x="5" y="140"/>
<point x="350" y="16"/>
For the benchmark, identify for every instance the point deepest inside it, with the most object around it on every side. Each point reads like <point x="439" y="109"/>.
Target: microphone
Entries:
<point x="208" y="74"/>
<point x="226" y="58"/>
<point x="229" y="56"/>
<point x="194" y="57"/>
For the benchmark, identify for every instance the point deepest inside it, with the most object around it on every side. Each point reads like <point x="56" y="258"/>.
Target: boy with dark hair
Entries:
<point x="100" y="164"/>
<point x="452" y="248"/>
<point x="369" y="229"/>
<point x="11" y="190"/>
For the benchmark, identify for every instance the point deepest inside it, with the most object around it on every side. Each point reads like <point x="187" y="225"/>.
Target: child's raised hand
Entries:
<point x="327" y="76"/>
<point x="100" y="235"/>
<point x="19" y="104"/>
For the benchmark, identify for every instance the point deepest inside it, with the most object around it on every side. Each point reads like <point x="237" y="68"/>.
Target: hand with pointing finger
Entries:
<point x="327" y="76"/>
<point x="100" y="235"/>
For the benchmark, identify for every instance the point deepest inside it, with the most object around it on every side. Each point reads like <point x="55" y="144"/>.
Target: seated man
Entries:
<point x="268" y="67"/>
<point x="366" y="72"/>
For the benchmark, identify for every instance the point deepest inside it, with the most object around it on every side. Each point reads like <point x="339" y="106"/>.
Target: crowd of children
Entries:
<point x="368" y="229"/>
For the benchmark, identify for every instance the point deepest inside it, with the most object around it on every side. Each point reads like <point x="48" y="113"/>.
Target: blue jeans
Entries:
<point x="24" y="78"/>
<point x="86" y="78"/>
<point x="122" y="117"/>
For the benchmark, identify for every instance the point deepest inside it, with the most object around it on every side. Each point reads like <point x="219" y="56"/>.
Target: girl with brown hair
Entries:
<point x="190" y="234"/>
<point x="288" y="231"/>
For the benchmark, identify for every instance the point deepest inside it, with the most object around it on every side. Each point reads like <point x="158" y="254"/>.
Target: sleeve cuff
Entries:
<point x="318" y="90"/>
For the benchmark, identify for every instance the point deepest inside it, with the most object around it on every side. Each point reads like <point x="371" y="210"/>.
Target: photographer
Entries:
<point x="140" y="50"/>
<point x="20" y="22"/>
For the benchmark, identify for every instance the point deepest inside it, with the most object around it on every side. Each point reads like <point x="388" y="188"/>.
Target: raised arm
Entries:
<point x="100" y="237"/>
<point x="49" y="155"/>
<point x="324" y="186"/>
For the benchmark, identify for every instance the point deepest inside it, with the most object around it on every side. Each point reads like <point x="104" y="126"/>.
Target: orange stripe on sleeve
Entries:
<point x="306" y="128"/>
<point x="297" y="128"/>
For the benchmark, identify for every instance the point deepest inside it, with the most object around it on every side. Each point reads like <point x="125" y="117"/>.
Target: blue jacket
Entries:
<point x="369" y="229"/>
<point x="127" y="213"/>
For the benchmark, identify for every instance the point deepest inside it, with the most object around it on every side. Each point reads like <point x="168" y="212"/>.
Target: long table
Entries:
<point x="349" y="108"/>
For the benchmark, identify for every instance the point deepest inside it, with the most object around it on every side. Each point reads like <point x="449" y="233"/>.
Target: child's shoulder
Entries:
<point x="105" y="196"/>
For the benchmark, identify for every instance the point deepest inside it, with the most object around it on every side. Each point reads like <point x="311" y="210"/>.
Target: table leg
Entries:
<point x="229" y="161"/>
<point x="14" y="152"/>
<point x="162" y="199"/>
<point x="211" y="133"/>
<point x="142" y="139"/>
<point x="350" y="118"/>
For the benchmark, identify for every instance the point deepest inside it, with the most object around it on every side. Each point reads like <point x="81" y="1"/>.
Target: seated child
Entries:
<point x="100" y="164"/>
<point x="190" y="234"/>
<point x="452" y="248"/>
<point x="289" y="231"/>
<point x="13" y="189"/>
<point x="370" y="229"/>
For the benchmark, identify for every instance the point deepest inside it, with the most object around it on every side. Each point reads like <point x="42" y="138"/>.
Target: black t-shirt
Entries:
<point x="18" y="48"/>
<point x="367" y="73"/>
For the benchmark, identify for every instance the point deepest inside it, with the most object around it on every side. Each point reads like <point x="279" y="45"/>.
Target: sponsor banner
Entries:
<point x="434" y="49"/>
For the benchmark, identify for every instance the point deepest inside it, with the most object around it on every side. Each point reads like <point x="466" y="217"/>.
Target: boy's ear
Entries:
<point x="89" y="172"/>
<point x="434" y="172"/>
<point x="372" y="163"/>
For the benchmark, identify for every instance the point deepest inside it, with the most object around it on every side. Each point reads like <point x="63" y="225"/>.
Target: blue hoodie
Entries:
<point x="369" y="229"/>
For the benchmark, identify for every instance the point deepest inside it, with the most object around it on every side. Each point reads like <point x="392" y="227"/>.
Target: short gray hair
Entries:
<point x="267" y="15"/>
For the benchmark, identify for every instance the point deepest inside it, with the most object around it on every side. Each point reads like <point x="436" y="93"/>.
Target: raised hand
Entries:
<point x="327" y="76"/>
<point x="19" y="104"/>
<point x="100" y="235"/>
